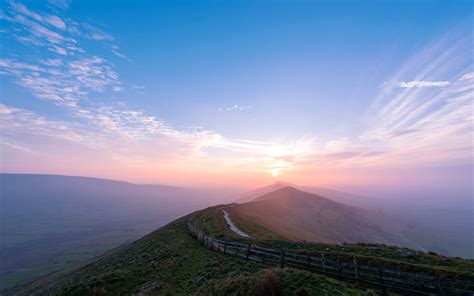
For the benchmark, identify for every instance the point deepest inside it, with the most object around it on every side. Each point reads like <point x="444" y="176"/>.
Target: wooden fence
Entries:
<point x="406" y="283"/>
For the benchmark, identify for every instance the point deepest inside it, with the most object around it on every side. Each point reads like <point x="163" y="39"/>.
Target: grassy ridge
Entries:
<point x="402" y="259"/>
<point x="170" y="262"/>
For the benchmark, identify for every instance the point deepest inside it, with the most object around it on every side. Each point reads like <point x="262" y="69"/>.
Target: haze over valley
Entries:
<point x="51" y="222"/>
<point x="245" y="147"/>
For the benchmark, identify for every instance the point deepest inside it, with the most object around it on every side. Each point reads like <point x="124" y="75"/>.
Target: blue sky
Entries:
<point x="261" y="86"/>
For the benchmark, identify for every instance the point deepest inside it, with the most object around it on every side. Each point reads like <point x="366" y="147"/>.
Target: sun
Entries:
<point x="275" y="172"/>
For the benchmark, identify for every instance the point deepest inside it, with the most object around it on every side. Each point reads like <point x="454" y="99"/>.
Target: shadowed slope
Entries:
<point x="300" y="216"/>
<point x="366" y="202"/>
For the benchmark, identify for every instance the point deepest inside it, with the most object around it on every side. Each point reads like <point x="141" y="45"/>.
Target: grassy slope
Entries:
<point x="302" y="216"/>
<point x="371" y="254"/>
<point x="170" y="262"/>
<point x="66" y="254"/>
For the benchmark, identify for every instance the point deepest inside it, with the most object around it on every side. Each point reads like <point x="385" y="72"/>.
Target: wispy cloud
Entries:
<point x="467" y="76"/>
<point x="426" y="120"/>
<point x="19" y="123"/>
<point x="416" y="83"/>
<point x="76" y="82"/>
<point x="236" y="108"/>
<point x="63" y="83"/>
<point x="62" y="4"/>
<point x="40" y="29"/>
<point x="139" y="89"/>
<point x="95" y="33"/>
<point x="16" y="147"/>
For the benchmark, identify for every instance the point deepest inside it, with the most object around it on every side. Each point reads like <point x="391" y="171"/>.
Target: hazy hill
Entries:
<point x="50" y="222"/>
<point x="303" y="216"/>
<point x="436" y="220"/>
<point x="253" y="194"/>
<point x="339" y="196"/>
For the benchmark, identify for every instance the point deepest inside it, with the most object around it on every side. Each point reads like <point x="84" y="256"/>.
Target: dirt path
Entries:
<point x="233" y="227"/>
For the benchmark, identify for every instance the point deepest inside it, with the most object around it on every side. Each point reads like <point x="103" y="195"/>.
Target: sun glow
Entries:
<point x="275" y="172"/>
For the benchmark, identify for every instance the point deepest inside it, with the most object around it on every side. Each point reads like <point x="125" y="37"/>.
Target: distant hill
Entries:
<point x="253" y="194"/>
<point x="339" y="196"/>
<point x="439" y="221"/>
<point x="304" y="216"/>
<point x="48" y="222"/>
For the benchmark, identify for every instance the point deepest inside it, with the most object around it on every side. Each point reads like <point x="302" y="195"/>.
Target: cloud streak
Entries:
<point x="236" y="108"/>
<point x="424" y="121"/>
<point x="416" y="83"/>
<point x="77" y="82"/>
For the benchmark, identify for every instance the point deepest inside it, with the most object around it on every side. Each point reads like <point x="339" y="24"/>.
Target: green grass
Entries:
<point x="377" y="255"/>
<point x="212" y="222"/>
<point x="287" y="281"/>
<point x="170" y="262"/>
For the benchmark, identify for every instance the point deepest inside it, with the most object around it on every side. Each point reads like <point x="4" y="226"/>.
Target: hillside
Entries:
<point x="303" y="216"/>
<point x="212" y="222"/>
<point x="170" y="261"/>
<point x="50" y="222"/>
<point x="442" y="225"/>
<point x="335" y="195"/>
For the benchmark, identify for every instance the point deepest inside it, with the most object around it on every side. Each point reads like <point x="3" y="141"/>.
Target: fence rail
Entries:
<point x="407" y="283"/>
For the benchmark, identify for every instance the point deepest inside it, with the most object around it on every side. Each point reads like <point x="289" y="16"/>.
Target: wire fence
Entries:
<point x="407" y="283"/>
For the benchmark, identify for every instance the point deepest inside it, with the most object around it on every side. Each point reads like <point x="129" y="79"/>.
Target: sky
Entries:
<point x="206" y="93"/>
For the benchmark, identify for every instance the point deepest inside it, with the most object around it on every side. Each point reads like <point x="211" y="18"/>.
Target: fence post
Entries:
<point x="225" y="246"/>
<point x="308" y="261"/>
<point x="442" y="292"/>
<point x="324" y="262"/>
<point x="248" y="251"/>
<point x="282" y="257"/>
<point x="382" y="282"/>
<point x="355" y="268"/>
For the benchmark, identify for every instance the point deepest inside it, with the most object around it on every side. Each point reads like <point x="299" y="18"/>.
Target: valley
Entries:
<point x="276" y="217"/>
<point x="171" y="261"/>
<point x="49" y="223"/>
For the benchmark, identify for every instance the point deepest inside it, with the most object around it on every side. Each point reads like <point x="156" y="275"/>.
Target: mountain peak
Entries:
<point x="283" y="183"/>
<point x="289" y="188"/>
<point x="304" y="216"/>
<point x="284" y="192"/>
